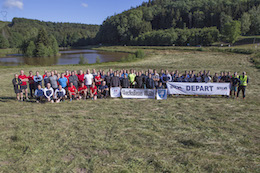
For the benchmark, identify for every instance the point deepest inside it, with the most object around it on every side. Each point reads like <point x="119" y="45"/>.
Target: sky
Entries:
<point x="73" y="11"/>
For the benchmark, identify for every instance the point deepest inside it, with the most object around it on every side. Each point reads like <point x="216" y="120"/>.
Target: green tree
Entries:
<point x="3" y="42"/>
<point x="43" y="37"/>
<point x="30" y="50"/>
<point x="245" y="23"/>
<point x="41" y="50"/>
<point x="232" y="31"/>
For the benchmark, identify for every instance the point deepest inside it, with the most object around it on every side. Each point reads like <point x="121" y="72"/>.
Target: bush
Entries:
<point x="97" y="60"/>
<point x="139" y="54"/>
<point x="82" y="60"/>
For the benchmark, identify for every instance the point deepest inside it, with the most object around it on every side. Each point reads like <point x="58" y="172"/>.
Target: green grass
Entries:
<point x="186" y="134"/>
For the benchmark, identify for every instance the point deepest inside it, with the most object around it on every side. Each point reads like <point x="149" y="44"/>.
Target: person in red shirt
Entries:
<point x="31" y="83"/>
<point x="23" y="86"/>
<point x="80" y="77"/>
<point x="98" y="80"/>
<point x="72" y="92"/>
<point x="45" y="74"/>
<point x="67" y="75"/>
<point x="82" y="90"/>
<point x="93" y="91"/>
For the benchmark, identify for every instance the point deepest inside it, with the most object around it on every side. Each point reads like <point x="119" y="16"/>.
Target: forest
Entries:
<point x="154" y="22"/>
<point x="182" y="22"/>
<point x="14" y="34"/>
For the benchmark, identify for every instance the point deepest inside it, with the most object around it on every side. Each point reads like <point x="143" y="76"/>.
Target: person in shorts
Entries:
<point x="72" y="91"/>
<point x="23" y="86"/>
<point x="83" y="91"/>
<point x="16" y="83"/>
<point x="93" y="91"/>
<point x="60" y="94"/>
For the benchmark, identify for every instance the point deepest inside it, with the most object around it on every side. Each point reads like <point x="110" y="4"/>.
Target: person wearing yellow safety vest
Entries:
<point x="234" y="84"/>
<point x="243" y="84"/>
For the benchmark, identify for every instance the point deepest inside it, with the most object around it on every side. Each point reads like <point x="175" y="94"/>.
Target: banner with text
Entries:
<point x="138" y="93"/>
<point x="115" y="92"/>
<point x="198" y="88"/>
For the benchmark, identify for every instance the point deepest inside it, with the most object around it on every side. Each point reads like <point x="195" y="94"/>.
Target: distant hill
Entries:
<point x="66" y="34"/>
<point x="147" y="22"/>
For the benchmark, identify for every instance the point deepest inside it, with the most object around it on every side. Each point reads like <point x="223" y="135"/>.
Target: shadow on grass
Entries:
<point x="8" y="99"/>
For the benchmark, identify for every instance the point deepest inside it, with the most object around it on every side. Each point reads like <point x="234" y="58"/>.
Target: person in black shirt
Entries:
<point x="215" y="78"/>
<point x="234" y="84"/>
<point x="150" y="82"/>
<point x="16" y="82"/>
<point x="125" y="82"/>
<point x="139" y="80"/>
<point x="115" y="82"/>
<point x="145" y="77"/>
<point x="103" y="90"/>
<point x="108" y="79"/>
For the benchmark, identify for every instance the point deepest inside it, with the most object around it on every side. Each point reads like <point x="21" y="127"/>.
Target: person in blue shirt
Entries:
<point x="37" y="79"/>
<point x="63" y="81"/>
<point x="39" y="93"/>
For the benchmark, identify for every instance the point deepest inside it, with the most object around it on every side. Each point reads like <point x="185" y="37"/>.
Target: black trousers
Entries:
<point x="32" y="89"/>
<point x="243" y="88"/>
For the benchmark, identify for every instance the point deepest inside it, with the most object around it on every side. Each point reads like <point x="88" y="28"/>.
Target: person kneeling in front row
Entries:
<point x="39" y="94"/>
<point x="48" y="93"/>
<point x="103" y="90"/>
<point x="60" y="94"/>
<point x="93" y="91"/>
<point x="82" y="90"/>
<point x="72" y="92"/>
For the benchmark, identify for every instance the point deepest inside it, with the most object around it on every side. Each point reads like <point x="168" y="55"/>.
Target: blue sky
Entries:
<point x="76" y="11"/>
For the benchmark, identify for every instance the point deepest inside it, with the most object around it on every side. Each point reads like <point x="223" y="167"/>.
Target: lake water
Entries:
<point x="71" y="56"/>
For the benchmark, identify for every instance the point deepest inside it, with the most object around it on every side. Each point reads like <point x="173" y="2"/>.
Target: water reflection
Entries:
<point x="67" y="57"/>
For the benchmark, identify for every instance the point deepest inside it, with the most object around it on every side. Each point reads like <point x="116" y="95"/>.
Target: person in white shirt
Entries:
<point x="60" y="94"/>
<point x="88" y="79"/>
<point x="48" y="93"/>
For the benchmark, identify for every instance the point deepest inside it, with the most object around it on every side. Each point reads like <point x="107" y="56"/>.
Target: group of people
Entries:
<point x="56" y="87"/>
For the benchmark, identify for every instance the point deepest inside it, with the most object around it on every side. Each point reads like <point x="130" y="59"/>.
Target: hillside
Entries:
<point x="184" y="20"/>
<point x="66" y="34"/>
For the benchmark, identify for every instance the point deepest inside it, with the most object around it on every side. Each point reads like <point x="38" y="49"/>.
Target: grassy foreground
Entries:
<point x="115" y="135"/>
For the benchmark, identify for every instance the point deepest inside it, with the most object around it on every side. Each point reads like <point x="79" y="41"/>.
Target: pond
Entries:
<point x="71" y="56"/>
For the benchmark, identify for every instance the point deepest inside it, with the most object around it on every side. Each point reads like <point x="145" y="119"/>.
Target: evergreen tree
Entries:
<point x="41" y="50"/>
<point x="245" y="23"/>
<point x="30" y="50"/>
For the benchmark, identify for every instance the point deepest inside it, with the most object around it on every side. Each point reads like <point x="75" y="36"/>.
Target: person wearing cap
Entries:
<point x="243" y="84"/>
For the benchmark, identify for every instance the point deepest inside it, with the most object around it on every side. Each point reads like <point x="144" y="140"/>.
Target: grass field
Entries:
<point x="186" y="134"/>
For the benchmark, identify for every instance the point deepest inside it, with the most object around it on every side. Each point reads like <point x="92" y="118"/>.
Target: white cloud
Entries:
<point x="84" y="5"/>
<point x="13" y="4"/>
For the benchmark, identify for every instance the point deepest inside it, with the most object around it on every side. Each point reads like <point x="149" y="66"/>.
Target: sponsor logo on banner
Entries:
<point x="115" y="92"/>
<point x="138" y="93"/>
<point x="186" y="88"/>
<point x="161" y="94"/>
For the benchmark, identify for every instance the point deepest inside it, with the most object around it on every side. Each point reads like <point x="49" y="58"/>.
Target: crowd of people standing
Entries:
<point x="54" y="86"/>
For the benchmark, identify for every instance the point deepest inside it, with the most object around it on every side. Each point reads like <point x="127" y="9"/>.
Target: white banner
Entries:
<point x="161" y="94"/>
<point x="115" y="92"/>
<point x="138" y="93"/>
<point x="198" y="88"/>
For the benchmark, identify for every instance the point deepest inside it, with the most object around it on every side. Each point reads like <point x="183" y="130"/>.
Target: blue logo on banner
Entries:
<point x="162" y="93"/>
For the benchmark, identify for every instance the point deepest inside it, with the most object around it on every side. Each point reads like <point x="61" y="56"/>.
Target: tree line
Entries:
<point x="152" y="18"/>
<point x="14" y="34"/>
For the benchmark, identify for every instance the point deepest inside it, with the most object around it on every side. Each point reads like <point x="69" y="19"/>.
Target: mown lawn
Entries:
<point x="186" y="134"/>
